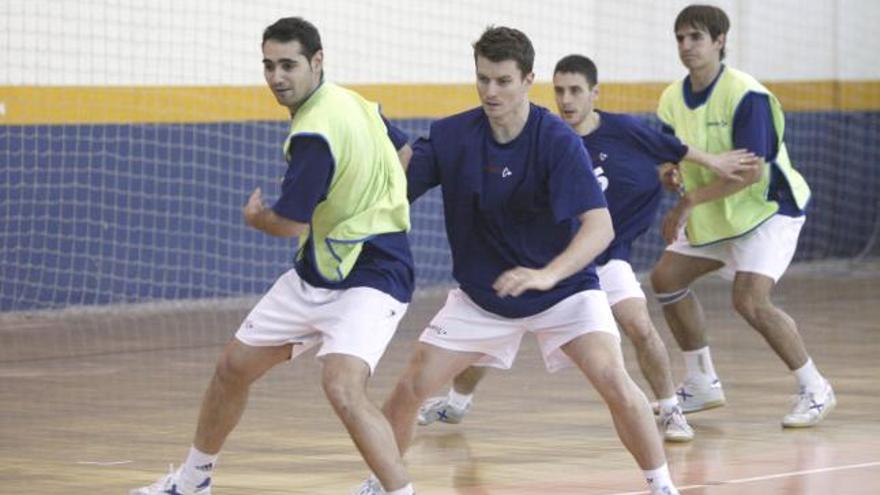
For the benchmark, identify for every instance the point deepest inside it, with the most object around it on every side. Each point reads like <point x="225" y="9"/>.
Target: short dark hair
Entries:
<point x="578" y="64"/>
<point x="295" y="29"/>
<point x="708" y="17"/>
<point x="503" y="43"/>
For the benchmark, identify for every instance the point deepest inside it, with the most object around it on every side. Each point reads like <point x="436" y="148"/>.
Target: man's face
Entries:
<point x="696" y="49"/>
<point x="502" y="87"/>
<point x="574" y="97"/>
<point x="289" y="74"/>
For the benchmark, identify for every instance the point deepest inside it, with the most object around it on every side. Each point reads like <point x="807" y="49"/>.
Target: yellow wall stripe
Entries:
<point x="191" y="104"/>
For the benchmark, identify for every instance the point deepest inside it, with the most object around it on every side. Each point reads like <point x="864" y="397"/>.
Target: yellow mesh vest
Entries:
<point x="710" y="128"/>
<point x="367" y="193"/>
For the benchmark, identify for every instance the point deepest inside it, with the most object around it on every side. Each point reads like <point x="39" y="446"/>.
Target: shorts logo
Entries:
<point x="437" y="330"/>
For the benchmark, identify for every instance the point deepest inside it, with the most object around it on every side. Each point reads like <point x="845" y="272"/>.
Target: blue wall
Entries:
<point x="104" y="214"/>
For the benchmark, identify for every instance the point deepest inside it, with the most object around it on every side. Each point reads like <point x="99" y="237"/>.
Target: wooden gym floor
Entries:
<point x="100" y="403"/>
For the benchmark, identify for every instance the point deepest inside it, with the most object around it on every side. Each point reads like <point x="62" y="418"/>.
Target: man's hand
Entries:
<point x="253" y="209"/>
<point x="736" y="165"/>
<point x="517" y="280"/>
<point x="670" y="177"/>
<point x="675" y="219"/>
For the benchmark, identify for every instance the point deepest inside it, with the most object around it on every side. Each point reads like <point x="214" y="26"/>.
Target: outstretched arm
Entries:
<point x="733" y="165"/>
<point x="593" y="236"/>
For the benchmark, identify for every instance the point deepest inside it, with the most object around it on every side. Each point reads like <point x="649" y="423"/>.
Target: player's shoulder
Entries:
<point x="617" y="119"/>
<point x="619" y="123"/>
<point x="739" y="76"/>
<point x="459" y="120"/>
<point x="549" y="125"/>
<point x="672" y="90"/>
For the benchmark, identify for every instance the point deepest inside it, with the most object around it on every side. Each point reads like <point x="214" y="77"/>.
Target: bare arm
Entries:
<point x="404" y="154"/>
<point x="593" y="236"/>
<point x="265" y="220"/>
<point x="733" y="165"/>
<point x="719" y="188"/>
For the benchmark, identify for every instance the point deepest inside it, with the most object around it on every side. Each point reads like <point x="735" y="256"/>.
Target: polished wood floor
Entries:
<point x="101" y="403"/>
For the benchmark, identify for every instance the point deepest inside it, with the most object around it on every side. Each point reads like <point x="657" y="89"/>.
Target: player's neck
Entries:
<point x="507" y="127"/>
<point x="590" y="123"/>
<point x="702" y="77"/>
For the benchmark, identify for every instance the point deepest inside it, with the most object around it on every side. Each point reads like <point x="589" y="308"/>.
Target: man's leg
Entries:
<point x="429" y="368"/>
<point x="344" y="380"/>
<point x="751" y="299"/>
<point x="222" y="406"/>
<point x="227" y="394"/>
<point x="466" y="382"/>
<point x="671" y="279"/>
<point x="632" y="316"/>
<point x="599" y="357"/>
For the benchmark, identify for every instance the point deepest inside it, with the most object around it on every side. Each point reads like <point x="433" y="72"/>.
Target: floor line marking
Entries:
<point x="762" y="478"/>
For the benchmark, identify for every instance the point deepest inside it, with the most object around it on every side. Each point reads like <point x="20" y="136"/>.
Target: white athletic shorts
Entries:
<point x="359" y="321"/>
<point x="461" y="325"/>
<point x="767" y="250"/>
<point x="619" y="281"/>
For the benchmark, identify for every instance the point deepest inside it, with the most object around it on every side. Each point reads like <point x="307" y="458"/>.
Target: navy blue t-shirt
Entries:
<point x="625" y="154"/>
<point x="507" y="205"/>
<point x="385" y="262"/>
<point x="753" y="130"/>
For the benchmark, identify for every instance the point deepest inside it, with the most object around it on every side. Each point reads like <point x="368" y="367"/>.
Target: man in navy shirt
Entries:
<point x="525" y="217"/>
<point x="625" y="154"/>
<point x="336" y="138"/>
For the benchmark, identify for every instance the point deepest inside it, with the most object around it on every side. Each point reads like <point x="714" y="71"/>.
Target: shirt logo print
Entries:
<point x="506" y="173"/>
<point x="602" y="157"/>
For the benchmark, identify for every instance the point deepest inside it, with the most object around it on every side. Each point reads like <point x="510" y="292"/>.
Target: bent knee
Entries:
<point x="749" y="305"/>
<point x="343" y="394"/>
<point x="231" y="370"/>
<point x="612" y="382"/>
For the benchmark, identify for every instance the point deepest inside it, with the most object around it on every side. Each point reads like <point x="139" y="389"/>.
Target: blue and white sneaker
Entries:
<point x="170" y="485"/>
<point x="810" y="408"/>
<point x="694" y="396"/>
<point x="439" y="409"/>
<point x="665" y="490"/>
<point x="675" y="427"/>
<point x="370" y="486"/>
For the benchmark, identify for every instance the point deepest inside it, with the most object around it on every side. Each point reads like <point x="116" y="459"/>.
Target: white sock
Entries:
<point x="699" y="366"/>
<point x="658" y="478"/>
<point x="668" y="404"/>
<point x="407" y="490"/>
<point x="457" y="400"/>
<point x="196" y="468"/>
<point x="809" y="378"/>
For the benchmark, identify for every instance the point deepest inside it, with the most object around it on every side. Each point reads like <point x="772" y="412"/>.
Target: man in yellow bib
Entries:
<point x="344" y="195"/>
<point x="748" y="229"/>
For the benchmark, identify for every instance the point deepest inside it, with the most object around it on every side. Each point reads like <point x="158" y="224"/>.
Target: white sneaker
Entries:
<point x="675" y="426"/>
<point x="694" y="396"/>
<point x="665" y="490"/>
<point x="810" y="408"/>
<point x="169" y="485"/>
<point x="370" y="486"/>
<point x="439" y="409"/>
